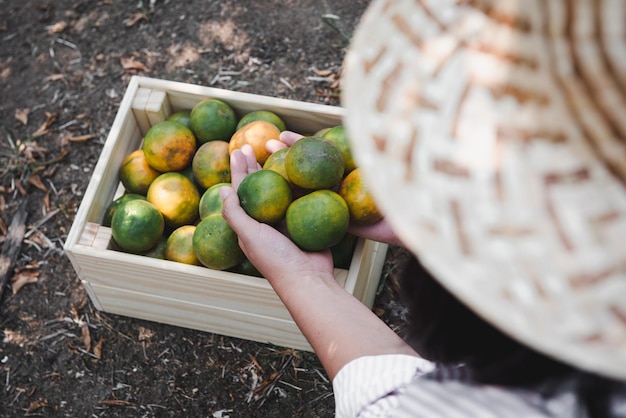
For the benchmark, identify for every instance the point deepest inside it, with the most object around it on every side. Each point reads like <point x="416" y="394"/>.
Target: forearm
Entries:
<point x="336" y="324"/>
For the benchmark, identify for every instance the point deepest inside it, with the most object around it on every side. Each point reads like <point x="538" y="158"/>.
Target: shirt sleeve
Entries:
<point x="370" y="385"/>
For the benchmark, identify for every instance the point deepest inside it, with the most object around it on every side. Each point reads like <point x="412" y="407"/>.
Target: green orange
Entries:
<point x="318" y="220"/>
<point x="265" y="195"/>
<point x="182" y="116"/>
<point x="176" y="197"/>
<point x="314" y="163"/>
<point x="211" y="202"/>
<point x="215" y="243"/>
<point x="361" y="204"/>
<point x="212" y="119"/>
<point x="338" y="136"/>
<point x="158" y="251"/>
<point x="179" y="246"/>
<point x="343" y="251"/>
<point x="136" y="174"/>
<point x="265" y="115"/>
<point x="108" y="214"/>
<point x="211" y="164"/>
<point x="137" y="226"/>
<point x="246" y="267"/>
<point x="169" y="146"/>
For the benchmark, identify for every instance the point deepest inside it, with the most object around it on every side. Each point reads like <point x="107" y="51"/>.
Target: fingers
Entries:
<point x="274" y="145"/>
<point x="289" y="137"/>
<point x="242" y="163"/>
<point x="236" y="217"/>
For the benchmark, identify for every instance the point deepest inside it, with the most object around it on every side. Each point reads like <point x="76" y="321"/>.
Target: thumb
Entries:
<point x="231" y="209"/>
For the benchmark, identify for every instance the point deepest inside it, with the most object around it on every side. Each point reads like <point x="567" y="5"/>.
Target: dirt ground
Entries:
<point x="64" y="67"/>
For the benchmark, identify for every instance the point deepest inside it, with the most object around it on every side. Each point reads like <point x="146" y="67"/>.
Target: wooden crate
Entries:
<point x="178" y="294"/>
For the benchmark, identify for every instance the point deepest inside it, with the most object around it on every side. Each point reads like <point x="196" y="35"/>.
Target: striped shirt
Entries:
<point x="404" y="386"/>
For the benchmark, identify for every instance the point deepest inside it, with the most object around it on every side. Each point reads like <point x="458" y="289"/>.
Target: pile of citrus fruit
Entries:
<point x="171" y="207"/>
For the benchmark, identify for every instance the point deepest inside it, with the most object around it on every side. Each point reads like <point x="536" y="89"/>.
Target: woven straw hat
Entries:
<point x="493" y="136"/>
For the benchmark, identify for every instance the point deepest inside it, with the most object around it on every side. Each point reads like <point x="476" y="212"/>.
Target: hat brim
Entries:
<point x="475" y="141"/>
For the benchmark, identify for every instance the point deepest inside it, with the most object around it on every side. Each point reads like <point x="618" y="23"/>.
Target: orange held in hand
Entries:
<point x="265" y="195"/>
<point x="314" y="163"/>
<point x="318" y="220"/>
<point x="363" y="209"/>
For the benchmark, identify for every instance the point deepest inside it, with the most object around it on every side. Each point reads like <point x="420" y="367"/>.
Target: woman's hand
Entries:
<point x="336" y="324"/>
<point x="380" y="231"/>
<point x="272" y="253"/>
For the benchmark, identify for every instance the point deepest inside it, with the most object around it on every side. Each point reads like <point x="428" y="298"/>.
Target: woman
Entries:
<point x="492" y="136"/>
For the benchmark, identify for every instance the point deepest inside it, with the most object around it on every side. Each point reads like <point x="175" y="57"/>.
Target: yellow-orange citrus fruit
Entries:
<point x="176" y="197"/>
<point x="182" y="116"/>
<point x="321" y="132"/>
<point x="137" y="226"/>
<point x="265" y="195"/>
<point x="179" y="246"/>
<point x="318" y="220"/>
<point x="108" y="214"/>
<point x="338" y="136"/>
<point x="136" y="174"/>
<point x="256" y="134"/>
<point x="211" y="164"/>
<point x="212" y="119"/>
<point x="265" y="115"/>
<point x="361" y="204"/>
<point x="211" y="202"/>
<point x="276" y="162"/>
<point x="169" y="146"/>
<point x="314" y="163"/>
<point x="215" y="243"/>
<point x="343" y="251"/>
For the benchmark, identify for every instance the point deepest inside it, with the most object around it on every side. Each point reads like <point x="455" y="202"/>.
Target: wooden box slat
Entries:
<point x="179" y="294"/>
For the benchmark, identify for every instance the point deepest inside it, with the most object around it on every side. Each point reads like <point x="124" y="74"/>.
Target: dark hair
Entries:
<point x="443" y="330"/>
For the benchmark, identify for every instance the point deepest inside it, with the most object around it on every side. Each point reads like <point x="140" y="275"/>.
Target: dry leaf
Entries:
<point x="57" y="27"/>
<point x="54" y="77"/>
<point x="130" y="63"/>
<point x="22" y="115"/>
<point x="3" y="226"/>
<point x="50" y="118"/>
<point x="97" y="350"/>
<point x="13" y="337"/>
<point x="41" y="403"/>
<point x="40" y="239"/>
<point x="322" y="73"/>
<point x="115" y="402"/>
<point x="134" y="19"/>
<point x="145" y="334"/>
<point x="81" y="138"/>
<point x="20" y="188"/>
<point x="22" y="279"/>
<point x="36" y="181"/>
<point x="86" y="337"/>
<point x="5" y="73"/>
<point x="32" y="151"/>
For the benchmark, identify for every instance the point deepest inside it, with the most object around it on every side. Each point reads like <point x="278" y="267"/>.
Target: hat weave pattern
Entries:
<point x="492" y="134"/>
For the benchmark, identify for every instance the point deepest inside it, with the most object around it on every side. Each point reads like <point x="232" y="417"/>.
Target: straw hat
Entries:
<point x="493" y="136"/>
